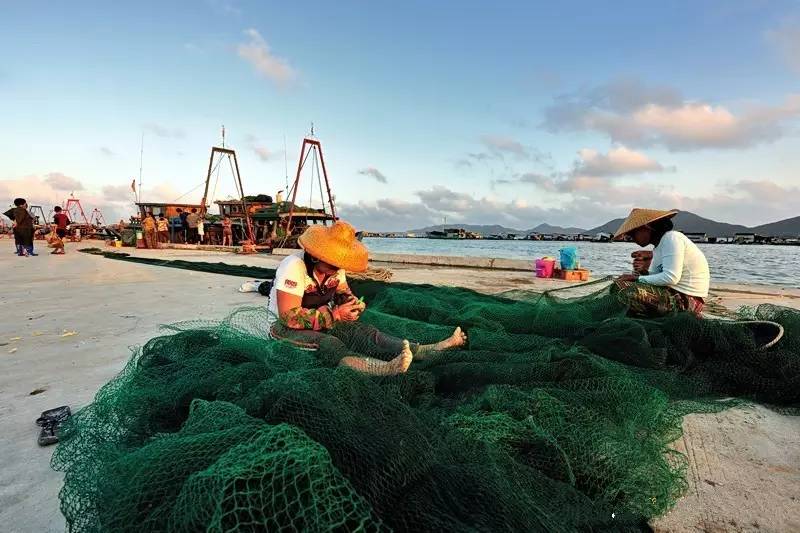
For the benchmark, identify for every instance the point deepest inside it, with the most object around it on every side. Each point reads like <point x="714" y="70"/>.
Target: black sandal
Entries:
<point x="50" y="422"/>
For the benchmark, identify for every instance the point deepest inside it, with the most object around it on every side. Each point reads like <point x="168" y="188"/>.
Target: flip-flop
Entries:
<point x="50" y="422"/>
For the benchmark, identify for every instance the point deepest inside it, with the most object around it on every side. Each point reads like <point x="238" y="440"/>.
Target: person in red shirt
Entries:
<point x="61" y="220"/>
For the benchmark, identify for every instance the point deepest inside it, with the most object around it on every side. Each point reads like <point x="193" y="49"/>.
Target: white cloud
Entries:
<point x="786" y="39"/>
<point x="226" y="7"/>
<point x="106" y="151"/>
<point x="260" y="149"/>
<point x="500" y="144"/>
<point x="162" y="131"/>
<point x="60" y="182"/>
<point x="638" y="115"/>
<point x="263" y="153"/>
<point x="374" y="173"/>
<point x="39" y="190"/>
<point x="618" y="161"/>
<point x="585" y="202"/>
<point x="118" y="193"/>
<point x="257" y="52"/>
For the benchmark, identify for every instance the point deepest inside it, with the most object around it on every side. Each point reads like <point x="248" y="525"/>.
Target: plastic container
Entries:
<point x="579" y="274"/>
<point x="545" y="267"/>
<point x="569" y="258"/>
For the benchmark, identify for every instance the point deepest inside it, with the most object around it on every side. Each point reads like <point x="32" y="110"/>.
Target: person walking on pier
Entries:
<point x="23" y="227"/>
<point x="149" y="228"/>
<point x="227" y="231"/>
<point x="191" y="223"/>
<point x="162" y="226"/>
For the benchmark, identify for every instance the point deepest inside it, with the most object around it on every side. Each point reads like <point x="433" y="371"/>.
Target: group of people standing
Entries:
<point x="23" y="225"/>
<point x="156" y="231"/>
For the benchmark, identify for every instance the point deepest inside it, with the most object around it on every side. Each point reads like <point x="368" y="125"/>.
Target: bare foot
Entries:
<point x="456" y="340"/>
<point x="403" y="360"/>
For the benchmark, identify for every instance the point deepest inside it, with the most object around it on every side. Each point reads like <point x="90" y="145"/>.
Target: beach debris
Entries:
<point x="15" y="339"/>
<point x="69" y="333"/>
<point x="12" y="350"/>
<point x="37" y="390"/>
<point x="37" y="333"/>
<point x="34" y="317"/>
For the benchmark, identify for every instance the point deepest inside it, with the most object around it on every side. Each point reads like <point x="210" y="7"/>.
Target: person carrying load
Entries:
<point x="677" y="278"/>
<point x="312" y="306"/>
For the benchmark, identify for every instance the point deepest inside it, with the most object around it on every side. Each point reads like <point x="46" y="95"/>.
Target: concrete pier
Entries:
<point x="70" y="320"/>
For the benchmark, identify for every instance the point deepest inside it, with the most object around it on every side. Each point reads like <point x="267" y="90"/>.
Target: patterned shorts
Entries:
<point x="650" y="301"/>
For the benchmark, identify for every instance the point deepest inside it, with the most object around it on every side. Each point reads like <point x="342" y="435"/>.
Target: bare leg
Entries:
<point x="376" y="367"/>
<point x="456" y="340"/>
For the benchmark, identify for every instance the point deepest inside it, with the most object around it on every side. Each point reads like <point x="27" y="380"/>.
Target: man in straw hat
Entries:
<point x="678" y="276"/>
<point x="312" y="306"/>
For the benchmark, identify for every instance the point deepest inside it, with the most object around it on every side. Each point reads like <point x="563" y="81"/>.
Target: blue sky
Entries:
<point x="509" y="112"/>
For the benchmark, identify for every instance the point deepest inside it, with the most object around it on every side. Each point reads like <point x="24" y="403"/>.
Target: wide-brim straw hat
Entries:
<point x="641" y="217"/>
<point x="336" y="245"/>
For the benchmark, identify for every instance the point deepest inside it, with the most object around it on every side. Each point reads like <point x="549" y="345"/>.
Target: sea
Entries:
<point x="729" y="263"/>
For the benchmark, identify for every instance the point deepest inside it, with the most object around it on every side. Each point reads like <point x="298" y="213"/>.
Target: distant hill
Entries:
<point x="609" y="227"/>
<point x="483" y="230"/>
<point x="783" y="228"/>
<point x="684" y="221"/>
<point x="547" y="228"/>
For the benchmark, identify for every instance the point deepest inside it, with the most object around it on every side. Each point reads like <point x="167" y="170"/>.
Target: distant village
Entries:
<point x="698" y="237"/>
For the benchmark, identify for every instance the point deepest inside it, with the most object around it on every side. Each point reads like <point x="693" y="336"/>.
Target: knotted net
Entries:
<point x="558" y="416"/>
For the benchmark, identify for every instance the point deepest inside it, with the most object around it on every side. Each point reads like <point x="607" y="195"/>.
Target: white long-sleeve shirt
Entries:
<point x="678" y="263"/>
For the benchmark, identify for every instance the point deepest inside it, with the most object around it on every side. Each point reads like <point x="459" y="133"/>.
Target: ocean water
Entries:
<point x="729" y="263"/>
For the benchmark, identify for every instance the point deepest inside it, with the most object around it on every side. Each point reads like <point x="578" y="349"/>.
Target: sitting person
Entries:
<point x="312" y="306"/>
<point x="677" y="278"/>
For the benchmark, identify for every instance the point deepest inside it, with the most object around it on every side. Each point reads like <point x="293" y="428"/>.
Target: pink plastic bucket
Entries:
<point x="544" y="268"/>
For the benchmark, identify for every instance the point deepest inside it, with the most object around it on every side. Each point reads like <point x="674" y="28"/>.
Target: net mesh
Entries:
<point x="558" y="416"/>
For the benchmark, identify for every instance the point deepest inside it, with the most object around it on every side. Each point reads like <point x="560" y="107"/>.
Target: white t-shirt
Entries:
<point x="678" y="263"/>
<point x="292" y="277"/>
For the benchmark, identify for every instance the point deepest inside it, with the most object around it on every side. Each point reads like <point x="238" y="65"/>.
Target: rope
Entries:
<point x="372" y="274"/>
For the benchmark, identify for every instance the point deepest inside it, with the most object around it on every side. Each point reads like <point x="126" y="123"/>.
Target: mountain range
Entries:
<point x="683" y="221"/>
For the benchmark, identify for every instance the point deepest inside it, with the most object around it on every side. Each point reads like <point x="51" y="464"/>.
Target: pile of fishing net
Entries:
<point x="558" y="416"/>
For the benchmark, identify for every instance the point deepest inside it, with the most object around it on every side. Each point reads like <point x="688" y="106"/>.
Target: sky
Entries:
<point x="515" y="113"/>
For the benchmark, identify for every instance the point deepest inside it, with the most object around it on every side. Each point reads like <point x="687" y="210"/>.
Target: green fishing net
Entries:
<point x="558" y="416"/>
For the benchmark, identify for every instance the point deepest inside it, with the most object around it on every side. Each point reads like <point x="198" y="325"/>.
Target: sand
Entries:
<point x="70" y="320"/>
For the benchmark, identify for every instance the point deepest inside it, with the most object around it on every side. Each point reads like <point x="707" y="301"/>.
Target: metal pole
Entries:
<point x="208" y="178"/>
<point x="238" y="179"/>
<point x="141" y="158"/>
<point x="327" y="183"/>
<point x="294" y="187"/>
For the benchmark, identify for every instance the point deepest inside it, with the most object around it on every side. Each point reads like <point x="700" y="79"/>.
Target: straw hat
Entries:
<point x="641" y="217"/>
<point x="336" y="245"/>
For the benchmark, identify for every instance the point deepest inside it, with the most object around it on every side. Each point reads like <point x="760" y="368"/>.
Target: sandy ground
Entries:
<point x="70" y="320"/>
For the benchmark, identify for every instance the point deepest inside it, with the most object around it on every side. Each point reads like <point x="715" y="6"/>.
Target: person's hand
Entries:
<point x="628" y="277"/>
<point x="362" y="306"/>
<point x="348" y="311"/>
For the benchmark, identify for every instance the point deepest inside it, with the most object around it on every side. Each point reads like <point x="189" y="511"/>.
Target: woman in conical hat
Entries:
<point x="677" y="278"/>
<point x="311" y="306"/>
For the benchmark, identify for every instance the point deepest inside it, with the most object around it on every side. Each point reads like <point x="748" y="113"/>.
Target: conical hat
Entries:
<point x="641" y="217"/>
<point x="336" y="245"/>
